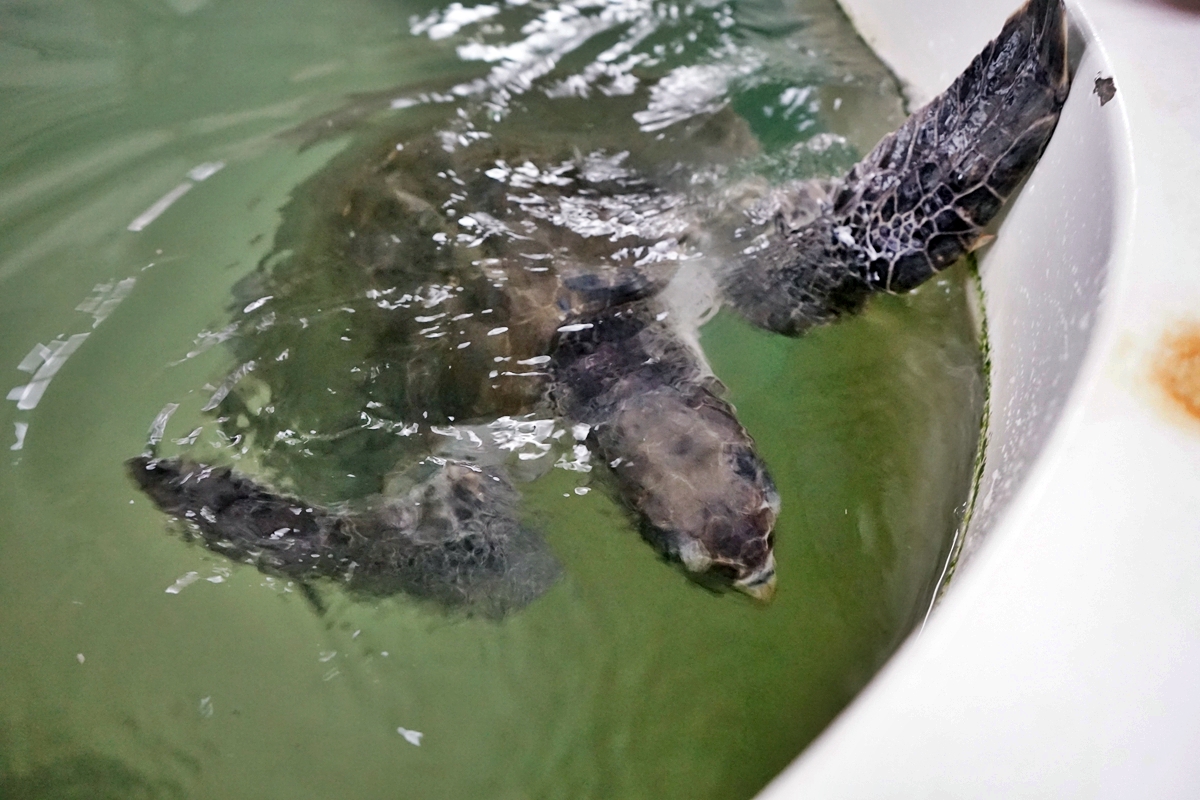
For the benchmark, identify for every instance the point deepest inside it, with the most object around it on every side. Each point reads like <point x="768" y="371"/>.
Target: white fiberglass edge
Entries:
<point x="1064" y="660"/>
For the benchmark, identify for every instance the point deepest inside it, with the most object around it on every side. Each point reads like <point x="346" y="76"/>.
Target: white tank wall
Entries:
<point x="1064" y="660"/>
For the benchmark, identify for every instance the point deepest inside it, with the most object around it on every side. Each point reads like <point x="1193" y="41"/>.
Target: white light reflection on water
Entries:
<point x="45" y="361"/>
<point x="106" y="297"/>
<point x="198" y="173"/>
<point x="690" y="91"/>
<point x="445" y="23"/>
<point x="21" y="429"/>
<point x="51" y="358"/>
<point x="227" y="385"/>
<point x="525" y="437"/>
<point x="183" y="582"/>
<point x="411" y="736"/>
<point x="559" y="31"/>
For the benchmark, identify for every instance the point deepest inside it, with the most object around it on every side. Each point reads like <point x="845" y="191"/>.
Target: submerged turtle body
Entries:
<point x="475" y="277"/>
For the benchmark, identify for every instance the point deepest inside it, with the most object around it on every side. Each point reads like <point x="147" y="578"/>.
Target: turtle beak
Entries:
<point x="759" y="584"/>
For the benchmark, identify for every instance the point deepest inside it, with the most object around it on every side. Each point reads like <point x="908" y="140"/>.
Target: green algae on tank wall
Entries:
<point x="163" y="668"/>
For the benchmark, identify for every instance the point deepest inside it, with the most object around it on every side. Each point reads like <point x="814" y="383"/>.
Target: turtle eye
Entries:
<point x="745" y="466"/>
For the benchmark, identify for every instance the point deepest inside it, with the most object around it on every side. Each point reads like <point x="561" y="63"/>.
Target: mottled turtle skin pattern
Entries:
<point x="533" y="271"/>
<point x="453" y="538"/>
<point x="681" y="458"/>
<point x="922" y="198"/>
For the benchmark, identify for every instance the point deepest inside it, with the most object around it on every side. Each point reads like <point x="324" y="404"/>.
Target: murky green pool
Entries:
<point x="625" y="680"/>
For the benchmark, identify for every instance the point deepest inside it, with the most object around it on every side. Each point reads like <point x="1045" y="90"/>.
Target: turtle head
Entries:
<point x="759" y="584"/>
<point x="730" y="542"/>
<point x="685" y="465"/>
<point x="754" y="576"/>
<point x="702" y="491"/>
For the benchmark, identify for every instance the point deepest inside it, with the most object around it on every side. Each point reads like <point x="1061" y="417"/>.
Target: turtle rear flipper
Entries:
<point x="454" y="538"/>
<point x="923" y="196"/>
<point x="236" y="517"/>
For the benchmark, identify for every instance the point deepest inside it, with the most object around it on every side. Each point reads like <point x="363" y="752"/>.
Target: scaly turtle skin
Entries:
<point x="552" y="253"/>
<point x="453" y="539"/>
<point x="921" y="198"/>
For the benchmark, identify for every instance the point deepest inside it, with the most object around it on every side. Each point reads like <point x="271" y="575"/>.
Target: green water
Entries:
<point x="626" y="680"/>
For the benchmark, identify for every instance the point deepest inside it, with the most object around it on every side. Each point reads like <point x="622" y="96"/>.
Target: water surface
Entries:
<point x="626" y="680"/>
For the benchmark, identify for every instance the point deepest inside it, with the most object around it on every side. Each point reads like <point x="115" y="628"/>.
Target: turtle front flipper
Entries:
<point x="454" y="538"/>
<point x="922" y="197"/>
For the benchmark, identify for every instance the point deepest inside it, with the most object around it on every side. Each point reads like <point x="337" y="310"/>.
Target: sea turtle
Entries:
<point x="523" y="274"/>
<point x="531" y="267"/>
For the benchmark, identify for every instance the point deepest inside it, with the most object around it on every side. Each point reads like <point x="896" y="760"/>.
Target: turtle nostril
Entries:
<point x="759" y="578"/>
<point x="759" y="584"/>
